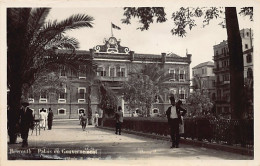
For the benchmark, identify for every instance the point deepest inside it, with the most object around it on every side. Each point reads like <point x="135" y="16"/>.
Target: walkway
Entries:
<point x="68" y="137"/>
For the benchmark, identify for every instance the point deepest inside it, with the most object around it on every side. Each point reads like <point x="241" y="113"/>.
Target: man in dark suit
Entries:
<point x="174" y="113"/>
<point x="26" y="122"/>
<point x="50" y="119"/>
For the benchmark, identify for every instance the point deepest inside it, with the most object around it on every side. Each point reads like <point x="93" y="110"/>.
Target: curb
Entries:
<point x="226" y="148"/>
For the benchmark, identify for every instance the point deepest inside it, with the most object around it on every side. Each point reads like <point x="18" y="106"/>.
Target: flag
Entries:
<point x="114" y="26"/>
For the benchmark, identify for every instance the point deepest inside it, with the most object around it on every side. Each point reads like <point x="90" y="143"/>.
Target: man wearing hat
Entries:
<point x="26" y="122"/>
<point x="174" y="114"/>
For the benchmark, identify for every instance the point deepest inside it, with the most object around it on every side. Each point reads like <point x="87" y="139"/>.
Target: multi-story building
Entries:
<point x="221" y="69"/>
<point x="114" y="65"/>
<point x="203" y="79"/>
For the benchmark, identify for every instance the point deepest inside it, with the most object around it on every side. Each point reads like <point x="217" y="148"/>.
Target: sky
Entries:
<point x="158" y="39"/>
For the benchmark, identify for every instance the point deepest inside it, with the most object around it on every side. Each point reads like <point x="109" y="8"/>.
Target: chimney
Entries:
<point x="163" y="58"/>
<point x="132" y="55"/>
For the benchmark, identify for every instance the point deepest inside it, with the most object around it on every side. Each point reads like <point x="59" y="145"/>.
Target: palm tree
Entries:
<point x="30" y="40"/>
<point x="158" y="75"/>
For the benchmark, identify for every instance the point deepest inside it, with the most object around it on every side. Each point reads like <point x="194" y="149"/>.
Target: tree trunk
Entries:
<point x="89" y="104"/>
<point x="235" y="63"/>
<point x="13" y="112"/>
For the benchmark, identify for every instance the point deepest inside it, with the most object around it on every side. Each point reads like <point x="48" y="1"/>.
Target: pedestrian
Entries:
<point x="84" y="120"/>
<point x="96" y="119"/>
<point x="80" y="116"/>
<point x="42" y="117"/>
<point x="181" y="126"/>
<point x="173" y="114"/>
<point x="26" y="122"/>
<point x="119" y="120"/>
<point x="50" y="119"/>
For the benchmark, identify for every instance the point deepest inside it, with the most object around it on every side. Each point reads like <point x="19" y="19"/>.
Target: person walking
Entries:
<point x="96" y="119"/>
<point x="50" y="119"/>
<point x="84" y="120"/>
<point x="42" y="118"/>
<point x="26" y="122"/>
<point x="119" y="120"/>
<point x="174" y="114"/>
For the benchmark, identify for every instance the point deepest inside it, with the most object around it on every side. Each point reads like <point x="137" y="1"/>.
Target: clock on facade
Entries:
<point x="112" y="41"/>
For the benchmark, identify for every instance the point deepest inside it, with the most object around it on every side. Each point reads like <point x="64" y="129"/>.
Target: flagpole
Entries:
<point x="111" y="30"/>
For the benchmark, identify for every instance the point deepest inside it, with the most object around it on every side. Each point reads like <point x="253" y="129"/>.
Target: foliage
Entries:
<point x="145" y="14"/>
<point x="108" y="100"/>
<point x="184" y="19"/>
<point x="249" y="98"/>
<point x="247" y="11"/>
<point x="49" y="82"/>
<point x="140" y="91"/>
<point x="199" y="104"/>
<point x="29" y="53"/>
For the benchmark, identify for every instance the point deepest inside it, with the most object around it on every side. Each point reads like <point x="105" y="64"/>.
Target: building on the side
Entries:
<point x="221" y="69"/>
<point x="114" y="64"/>
<point x="203" y="79"/>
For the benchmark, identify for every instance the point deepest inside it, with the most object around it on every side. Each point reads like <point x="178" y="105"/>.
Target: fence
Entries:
<point x="229" y="132"/>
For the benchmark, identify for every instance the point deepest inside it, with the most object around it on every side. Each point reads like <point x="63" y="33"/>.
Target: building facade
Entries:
<point x="203" y="78"/>
<point x="221" y="69"/>
<point x="114" y="64"/>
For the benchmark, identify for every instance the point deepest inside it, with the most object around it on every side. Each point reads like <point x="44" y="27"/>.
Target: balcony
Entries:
<point x="220" y="56"/>
<point x="112" y="79"/>
<point x="221" y="69"/>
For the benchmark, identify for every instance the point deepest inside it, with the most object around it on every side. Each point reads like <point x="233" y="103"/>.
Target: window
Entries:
<point x="249" y="58"/>
<point x="173" y="91"/>
<point x="82" y="72"/>
<point x="101" y="71"/>
<point x="81" y="110"/>
<point x="213" y="83"/>
<point x="63" y="72"/>
<point x="112" y="71"/>
<point x="217" y="53"/>
<point x="121" y="72"/>
<point x="246" y="46"/>
<point x="61" y="111"/>
<point x="44" y="110"/>
<point x="182" y="93"/>
<point x="203" y="71"/>
<point x="182" y="75"/>
<point x="81" y="95"/>
<point x="172" y="73"/>
<point x="62" y="96"/>
<point x="43" y="97"/>
<point x="31" y="98"/>
<point x="247" y="34"/>
<point x="249" y="73"/>
<point x="155" y="111"/>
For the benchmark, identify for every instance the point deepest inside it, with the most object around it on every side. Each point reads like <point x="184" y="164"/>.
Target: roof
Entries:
<point x="209" y="63"/>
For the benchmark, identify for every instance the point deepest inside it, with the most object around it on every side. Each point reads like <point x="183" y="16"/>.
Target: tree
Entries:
<point x="140" y="91"/>
<point x="199" y="104"/>
<point x="184" y="19"/>
<point x="30" y="40"/>
<point x="108" y="100"/>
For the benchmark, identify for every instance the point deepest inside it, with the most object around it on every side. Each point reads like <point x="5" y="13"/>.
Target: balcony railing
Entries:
<point x="107" y="78"/>
<point x="221" y="69"/>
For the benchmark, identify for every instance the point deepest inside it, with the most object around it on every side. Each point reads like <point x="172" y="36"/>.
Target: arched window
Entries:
<point x="249" y="73"/>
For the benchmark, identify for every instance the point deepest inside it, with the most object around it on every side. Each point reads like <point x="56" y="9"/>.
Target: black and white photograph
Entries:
<point x="129" y="82"/>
